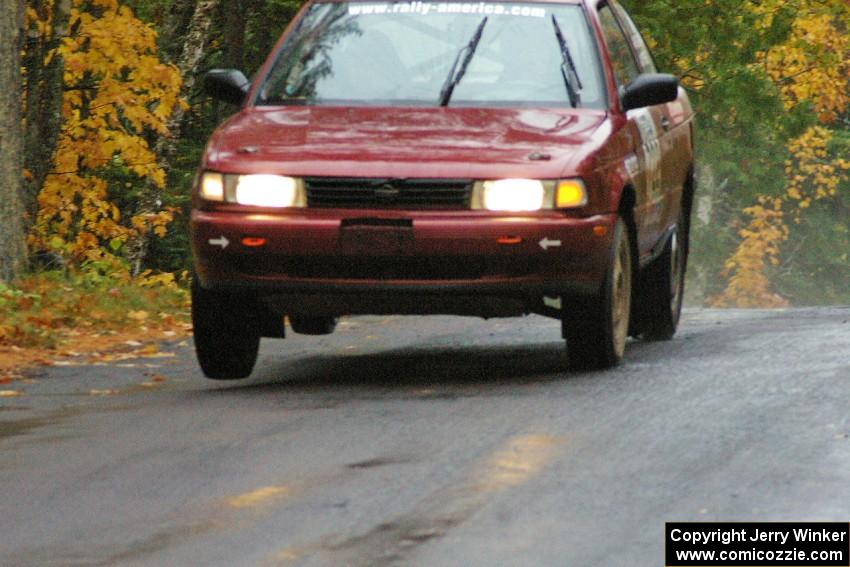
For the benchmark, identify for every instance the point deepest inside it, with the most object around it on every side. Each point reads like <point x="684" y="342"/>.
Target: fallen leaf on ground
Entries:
<point x="10" y="394"/>
<point x="159" y="355"/>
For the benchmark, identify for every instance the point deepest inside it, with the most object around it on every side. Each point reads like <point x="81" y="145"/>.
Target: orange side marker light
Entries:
<point x="254" y="242"/>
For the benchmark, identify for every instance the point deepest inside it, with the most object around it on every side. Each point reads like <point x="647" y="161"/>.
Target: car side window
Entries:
<point x="622" y="58"/>
<point x="647" y="63"/>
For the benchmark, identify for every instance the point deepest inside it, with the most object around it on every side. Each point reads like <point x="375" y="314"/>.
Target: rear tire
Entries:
<point x="663" y="288"/>
<point x="597" y="328"/>
<point x="227" y="335"/>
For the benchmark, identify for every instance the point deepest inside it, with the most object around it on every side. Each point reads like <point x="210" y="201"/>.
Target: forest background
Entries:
<point x="105" y="124"/>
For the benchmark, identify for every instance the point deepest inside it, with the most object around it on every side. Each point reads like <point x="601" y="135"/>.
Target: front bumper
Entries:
<point x="396" y="254"/>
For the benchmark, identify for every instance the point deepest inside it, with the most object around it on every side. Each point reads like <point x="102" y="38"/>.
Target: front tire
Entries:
<point x="596" y="329"/>
<point x="227" y="336"/>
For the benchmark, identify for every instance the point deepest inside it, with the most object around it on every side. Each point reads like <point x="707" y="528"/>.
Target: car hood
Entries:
<point x="408" y="142"/>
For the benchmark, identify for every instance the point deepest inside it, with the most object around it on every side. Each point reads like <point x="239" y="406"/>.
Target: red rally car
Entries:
<point x="489" y="159"/>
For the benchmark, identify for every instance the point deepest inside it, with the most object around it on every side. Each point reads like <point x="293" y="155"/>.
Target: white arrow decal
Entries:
<point x="546" y="244"/>
<point x="223" y="242"/>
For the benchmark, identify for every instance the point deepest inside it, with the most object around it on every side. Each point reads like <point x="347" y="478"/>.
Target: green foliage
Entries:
<point x="713" y="46"/>
<point x="748" y="114"/>
<point x="152" y="11"/>
<point x="172" y="252"/>
<point x="815" y="264"/>
<point x="264" y="26"/>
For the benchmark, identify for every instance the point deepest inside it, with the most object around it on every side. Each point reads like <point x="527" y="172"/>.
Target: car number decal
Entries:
<point x="632" y="164"/>
<point x="651" y="146"/>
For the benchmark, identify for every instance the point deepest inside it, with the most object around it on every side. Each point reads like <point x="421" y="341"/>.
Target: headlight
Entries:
<point x="270" y="191"/>
<point x="266" y="191"/>
<point x="513" y="195"/>
<point x="528" y="195"/>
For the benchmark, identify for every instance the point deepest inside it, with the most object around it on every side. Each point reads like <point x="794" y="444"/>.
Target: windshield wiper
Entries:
<point x="456" y="75"/>
<point x="568" y="67"/>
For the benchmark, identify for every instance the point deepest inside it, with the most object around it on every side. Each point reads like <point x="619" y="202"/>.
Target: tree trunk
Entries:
<point x="43" y="96"/>
<point x="12" y="247"/>
<point x="174" y="28"/>
<point x="190" y="59"/>
<point x="235" y="22"/>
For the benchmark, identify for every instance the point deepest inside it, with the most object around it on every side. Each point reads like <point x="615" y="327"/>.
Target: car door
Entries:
<point x="673" y="122"/>
<point x="647" y="125"/>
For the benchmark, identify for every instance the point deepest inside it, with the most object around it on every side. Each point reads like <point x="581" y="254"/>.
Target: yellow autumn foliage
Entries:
<point x="814" y="63"/>
<point x="118" y="96"/>
<point x="812" y="173"/>
<point x="748" y="285"/>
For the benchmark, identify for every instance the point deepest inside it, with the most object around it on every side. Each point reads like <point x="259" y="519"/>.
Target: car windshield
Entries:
<point x="408" y="53"/>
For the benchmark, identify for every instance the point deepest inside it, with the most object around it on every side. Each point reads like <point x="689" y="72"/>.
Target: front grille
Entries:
<point x="353" y="193"/>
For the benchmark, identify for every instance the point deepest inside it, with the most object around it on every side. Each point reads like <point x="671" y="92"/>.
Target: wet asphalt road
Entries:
<point x="430" y="442"/>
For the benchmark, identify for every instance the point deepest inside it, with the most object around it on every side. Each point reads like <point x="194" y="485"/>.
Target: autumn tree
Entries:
<point x="12" y="252"/>
<point x="117" y="97"/>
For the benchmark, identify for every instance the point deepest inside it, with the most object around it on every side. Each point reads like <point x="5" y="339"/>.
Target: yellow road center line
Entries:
<point x="522" y="458"/>
<point x="258" y="497"/>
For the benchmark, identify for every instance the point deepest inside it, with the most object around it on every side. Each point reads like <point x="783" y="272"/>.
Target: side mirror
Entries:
<point x="650" y="89"/>
<point x="228" y="85"/>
